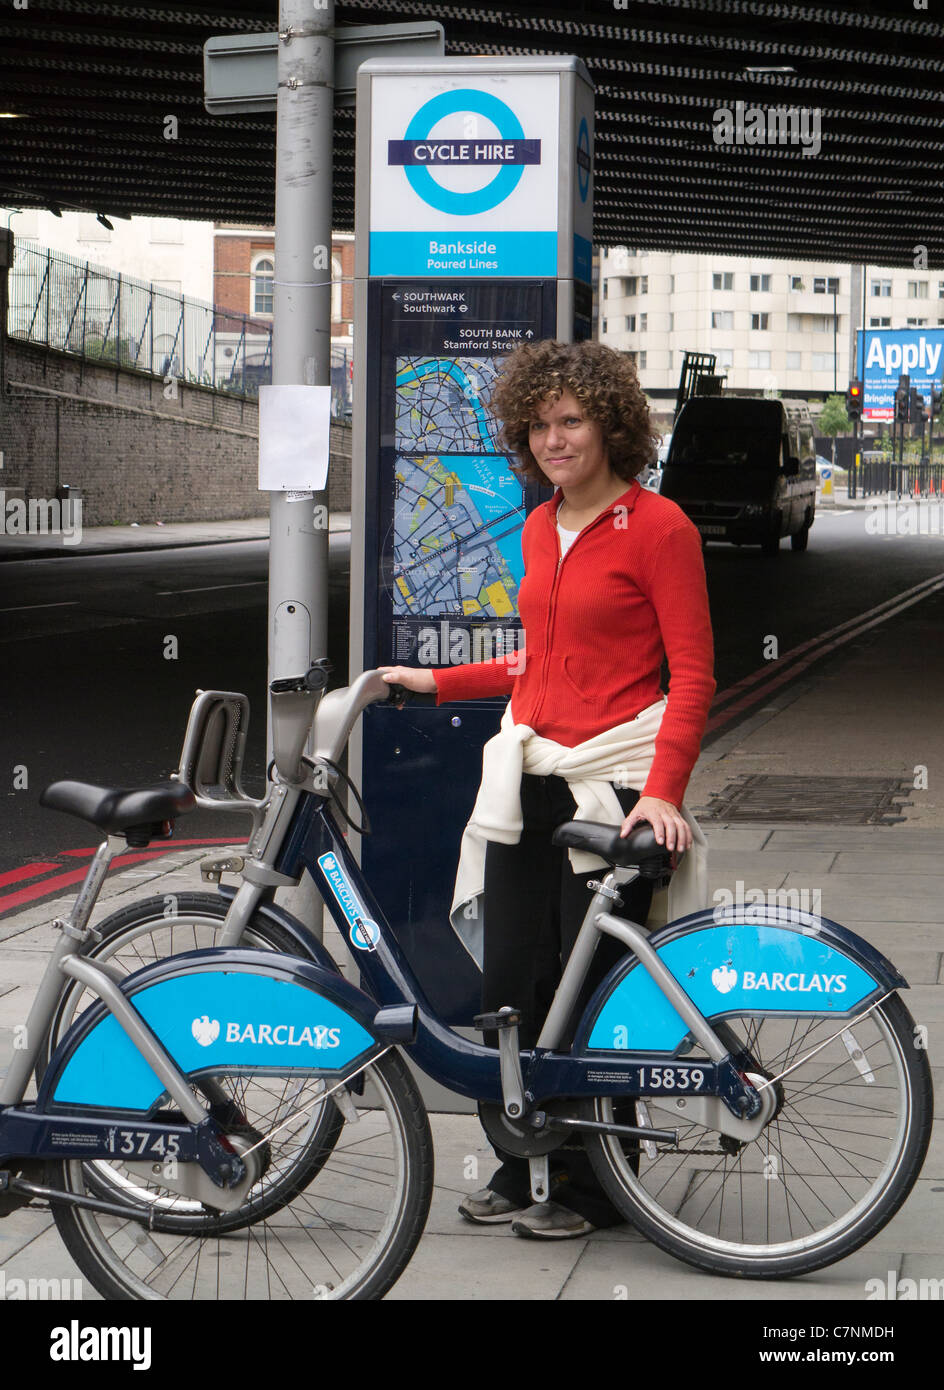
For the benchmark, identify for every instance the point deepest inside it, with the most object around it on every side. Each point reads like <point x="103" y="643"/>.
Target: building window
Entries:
<point x="917" y="323"/>
<point x="642" y="360"/>
<point x="263" y="277"/>
<point x="794" y="361"/>
<point x="822" y="323"/>
<point x="630" y="323"/>
<point x="823" y="362"/>
<point x="940" y="289"/>
<point x="166" y="230"/>
<point x="824" y="285"/>
<point x="672" y="286"/>
<point x="881" y="289"/>
<point x="605" y="328"/>
<point x="880" y="323"/>
<point x="336" y="274"/>
<point x="632" y="285"/>
<point x="724" y="357"/>
<point x="669" y="364"/>
<point x="643" y="322"/>
<point x="722" y="318"/>
<point x="760" y="321"/>
<point x="723" y="280"/>
<point x="794" y="323"/>
<point x="760" y="284"/>
<point x="632" y="357"/>
<point x="644" y="284"/>
<point x="796" y="282"/>
<point x="671" y="322"/>
<point x="89" y="228"/>
<point x="917" y="289"/>
<point x="758" y="359"/>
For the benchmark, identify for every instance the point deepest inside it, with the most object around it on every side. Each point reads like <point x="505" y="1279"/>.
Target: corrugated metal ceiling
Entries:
<point x="94" y="82"/>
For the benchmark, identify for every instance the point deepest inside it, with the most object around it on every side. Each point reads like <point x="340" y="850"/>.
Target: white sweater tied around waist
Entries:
<point x="623" y="755"/>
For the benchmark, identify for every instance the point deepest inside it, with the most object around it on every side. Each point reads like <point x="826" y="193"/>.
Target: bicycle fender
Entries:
<point x="221" y="1010"/>
<point x="304" y="941"/>
<point x="767" y="961"/>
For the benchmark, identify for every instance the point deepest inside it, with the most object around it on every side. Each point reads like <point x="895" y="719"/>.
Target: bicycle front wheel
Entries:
<point x="833" y="1165"/>
<point x="348" y="1233"/>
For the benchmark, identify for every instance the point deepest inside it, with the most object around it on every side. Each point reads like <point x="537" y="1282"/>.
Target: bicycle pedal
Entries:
<point x="504" y="1018"/>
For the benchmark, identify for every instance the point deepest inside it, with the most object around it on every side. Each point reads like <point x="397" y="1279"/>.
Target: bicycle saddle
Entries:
<point x="637" y="850"/>
<point x="121" y="809"/>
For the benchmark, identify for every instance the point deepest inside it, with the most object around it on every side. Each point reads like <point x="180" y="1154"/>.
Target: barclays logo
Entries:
<point x="206" y="1031"/>
<point x="724" y="979"/>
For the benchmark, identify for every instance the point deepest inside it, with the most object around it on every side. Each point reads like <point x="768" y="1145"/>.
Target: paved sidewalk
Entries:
<point x="884" y="882"/>
<point x="116" y="540"/>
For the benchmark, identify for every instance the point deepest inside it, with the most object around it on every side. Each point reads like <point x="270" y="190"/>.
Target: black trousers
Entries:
<point x="534" y="907"/>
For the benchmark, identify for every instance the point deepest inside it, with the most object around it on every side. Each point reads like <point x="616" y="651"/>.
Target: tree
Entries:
<point x="833" y="419"/>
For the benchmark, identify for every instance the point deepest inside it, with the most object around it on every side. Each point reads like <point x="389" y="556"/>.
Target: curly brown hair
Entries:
<point x="602" y="380"/>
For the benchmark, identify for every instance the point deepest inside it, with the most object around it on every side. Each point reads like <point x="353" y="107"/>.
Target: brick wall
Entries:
<point x="135" y="455"/>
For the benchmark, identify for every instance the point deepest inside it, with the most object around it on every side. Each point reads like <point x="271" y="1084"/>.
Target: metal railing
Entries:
<point x="879" y="473"/>
<point x="104" y="316"/>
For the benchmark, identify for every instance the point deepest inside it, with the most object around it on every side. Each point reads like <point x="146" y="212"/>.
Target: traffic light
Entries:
<point x="902" y="395"/>
<point x="854" y="400"/>
<point x="935" y="402"/>
<point x="916" y="413"/>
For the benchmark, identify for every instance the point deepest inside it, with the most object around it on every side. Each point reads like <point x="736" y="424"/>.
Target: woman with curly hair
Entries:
<point x="614" y="582"/>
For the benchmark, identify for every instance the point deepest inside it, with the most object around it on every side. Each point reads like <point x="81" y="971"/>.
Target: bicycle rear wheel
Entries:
<point x="142" y="934"/>
<point x="833" y="1165"/>
<point x="347" y="1231"/>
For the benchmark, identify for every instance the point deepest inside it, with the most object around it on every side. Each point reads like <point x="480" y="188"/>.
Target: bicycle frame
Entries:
<point x="296" y="832"/>
<point x="310" y="840"/>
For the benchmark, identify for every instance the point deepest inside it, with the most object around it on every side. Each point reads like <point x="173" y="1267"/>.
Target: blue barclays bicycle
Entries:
<point x="221" y="1114"/>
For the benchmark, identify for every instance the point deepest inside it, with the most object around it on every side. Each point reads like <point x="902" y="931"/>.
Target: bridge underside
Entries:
<point x="863" y="181"/>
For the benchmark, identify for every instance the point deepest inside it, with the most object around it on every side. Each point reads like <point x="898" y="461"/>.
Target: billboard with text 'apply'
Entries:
<point x="883" y="355"/>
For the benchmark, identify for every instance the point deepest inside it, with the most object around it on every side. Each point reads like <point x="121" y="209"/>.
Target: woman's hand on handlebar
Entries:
<point x="667" y="821"/>
<point x="411" y="678"/>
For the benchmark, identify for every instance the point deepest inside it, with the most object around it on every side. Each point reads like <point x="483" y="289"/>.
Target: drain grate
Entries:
<point x="810" y="800"/>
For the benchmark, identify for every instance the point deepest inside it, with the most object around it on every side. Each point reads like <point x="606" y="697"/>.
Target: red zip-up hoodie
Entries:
<point x="597" y="624"/>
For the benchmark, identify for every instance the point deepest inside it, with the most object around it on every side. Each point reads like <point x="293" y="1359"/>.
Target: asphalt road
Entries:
<point x="87" y="692"/>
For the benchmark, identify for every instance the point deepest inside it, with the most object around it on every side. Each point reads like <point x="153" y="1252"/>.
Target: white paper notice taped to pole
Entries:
<point x="294" y="438"/>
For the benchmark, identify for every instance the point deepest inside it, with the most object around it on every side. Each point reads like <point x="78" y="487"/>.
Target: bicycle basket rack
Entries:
<point x="211" y="760"/>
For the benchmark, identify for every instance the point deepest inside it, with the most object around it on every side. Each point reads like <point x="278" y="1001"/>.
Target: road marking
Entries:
<point x="209" y="588"/>
<point x="26" y="871"/>
<point x="28" y="608"/>
<point x="53" y="886"/>
<point x="793" y="662"/>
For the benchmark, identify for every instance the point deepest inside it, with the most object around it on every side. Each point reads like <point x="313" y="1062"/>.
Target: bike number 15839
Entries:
<point x="671" y="1078"/>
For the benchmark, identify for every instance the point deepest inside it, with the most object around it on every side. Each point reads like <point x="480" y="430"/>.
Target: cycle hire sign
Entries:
<point x="464" y="175"/>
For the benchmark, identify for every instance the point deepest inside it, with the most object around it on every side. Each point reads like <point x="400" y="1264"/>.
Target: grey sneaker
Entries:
<point x="548" y="1221"/>
<point x="487" y="1208"/>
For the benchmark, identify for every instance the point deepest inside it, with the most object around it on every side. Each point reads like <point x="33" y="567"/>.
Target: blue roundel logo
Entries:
<point x="481" y="199"/>
<point x="583" y="160"/>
